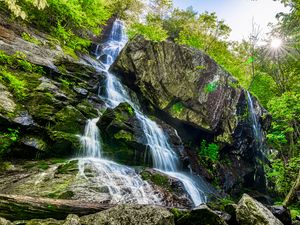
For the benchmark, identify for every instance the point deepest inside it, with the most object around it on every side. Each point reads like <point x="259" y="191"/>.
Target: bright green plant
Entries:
<point x="177" y="108"/>
<point x="210" y="151"/>
<point x="153" y="32"/>
<point x="282" y="174"/>
<point x="30" y="38"/>
<point x="7" y="138"/>
<point x="18" y="86"/>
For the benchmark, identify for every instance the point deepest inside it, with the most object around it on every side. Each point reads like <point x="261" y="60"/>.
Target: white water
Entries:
<point x="256" y="128"/>
<point x="122" y="183"/>
<point x="163" y="156"/>
<point x="90" y="141"/>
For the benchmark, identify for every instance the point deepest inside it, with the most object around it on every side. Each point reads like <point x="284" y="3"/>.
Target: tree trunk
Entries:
<point x="19" y="207"/>
<point x="292" y="193"/>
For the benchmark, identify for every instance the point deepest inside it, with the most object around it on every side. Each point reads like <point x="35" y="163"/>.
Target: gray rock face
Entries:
<point x="191" y="92"/>
<point x="251" y="212"/>
<point x="130" y="215"/>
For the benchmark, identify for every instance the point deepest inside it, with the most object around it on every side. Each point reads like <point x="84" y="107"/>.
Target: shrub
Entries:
<point x="210" y="151"/>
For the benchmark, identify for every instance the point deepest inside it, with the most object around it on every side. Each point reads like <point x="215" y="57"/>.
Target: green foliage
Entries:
<point x="210" y="151"/>
<point x="153" y="32"/>
<point x="282" y="174"/>
<point x="7" y="138"/>
<point x="18" y="61"/>
<point x="30" y="38"/>
<point x="177" y="108"/>
<point x="285" y="111"/>
<point x="17" y="86"/>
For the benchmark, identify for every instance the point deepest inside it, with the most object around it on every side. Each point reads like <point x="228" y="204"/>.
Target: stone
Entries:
<point x="130" y="214"/>
<point x="24" y="119"/>
<point x="188" y="90"/>
<point x="7" y="104"/>
<point x="72" y="220"/>
<point x="34" y="142"/>
<point x="81" y="91"/>
<point x="202" y="215"/>
<point x="49" y="221"/>
<point x="172" y="189"/>
<point x="122" y="136"/>
<point x="282" y="213"/>
<point x="251" y="212"/>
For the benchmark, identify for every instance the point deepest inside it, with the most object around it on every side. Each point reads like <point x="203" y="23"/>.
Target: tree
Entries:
<point x="16" y="9"/>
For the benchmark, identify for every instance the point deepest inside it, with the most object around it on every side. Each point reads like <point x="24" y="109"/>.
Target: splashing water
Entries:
<point x="164" y="158"/>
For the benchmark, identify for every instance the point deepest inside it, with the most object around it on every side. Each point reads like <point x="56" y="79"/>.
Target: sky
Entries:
<point x="238" y="14"/>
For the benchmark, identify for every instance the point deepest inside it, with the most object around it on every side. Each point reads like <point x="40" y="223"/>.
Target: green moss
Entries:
<point x="122" y="134"/>
<point x="87" y="109"/>
<point x="14" y="83"/>
<point x="180" y="214"/>
<point x="69" y="120"/>
<point x="43" y="165"/>
<point x="295" y="211"/>
<point x="32" y="39"/>
<point x="157" y="179"/>
<point x="69" y="167"/>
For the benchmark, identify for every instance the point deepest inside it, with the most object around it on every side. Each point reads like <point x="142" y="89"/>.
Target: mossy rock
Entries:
<point x="87" y="109"/>
<point x="68" y="167"/>
<point x="64" y="143"/>
<point x="156" y="178"/>
<point x="69" y="120"/>
<point x="202" y="215"/>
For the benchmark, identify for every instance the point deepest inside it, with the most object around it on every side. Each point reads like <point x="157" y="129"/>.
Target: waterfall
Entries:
<point x="256" y="127"/>
<point x="122" y="183"/>
<point x="90" y="141"/>
<point x="163" y="156"/>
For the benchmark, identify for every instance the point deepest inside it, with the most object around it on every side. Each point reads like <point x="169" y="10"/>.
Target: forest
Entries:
<point x="161" y="91"/>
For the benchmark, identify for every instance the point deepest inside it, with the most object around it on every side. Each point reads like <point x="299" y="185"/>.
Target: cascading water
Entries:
<point x="256" y="127"/>
<point x="122" y="184"/>
<point x="163" y="156"/>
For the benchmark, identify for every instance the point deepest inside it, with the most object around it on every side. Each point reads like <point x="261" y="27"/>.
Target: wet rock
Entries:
<point x="251" y="212"/>
<point x="283" y="214"/>
<point x="173" y="191"/>
<point x="122" y="135"/>
<point x="24" y="119"/>
<point x="131" y="214"/>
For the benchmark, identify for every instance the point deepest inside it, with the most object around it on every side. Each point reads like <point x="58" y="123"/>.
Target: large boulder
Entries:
<point x="251" y="212"/>
<point x="202" y="215"/>
<point x="130" y="214"/>
<point x="191" y="92"/>
<point x="172" y="189"/>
